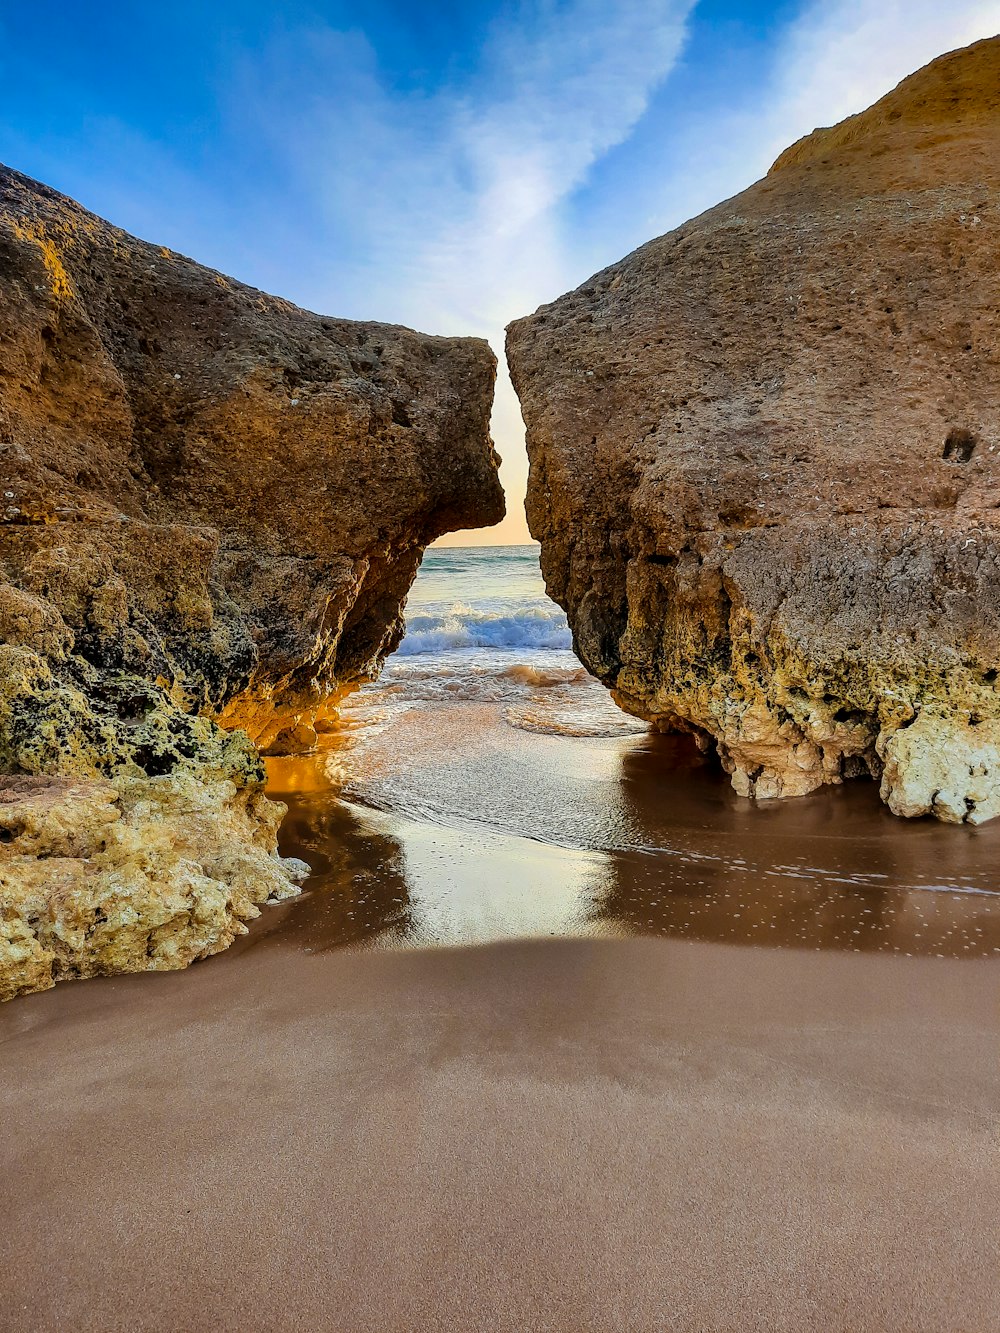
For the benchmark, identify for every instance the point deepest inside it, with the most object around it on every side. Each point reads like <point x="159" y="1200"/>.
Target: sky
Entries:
<point x="450" y="165"/>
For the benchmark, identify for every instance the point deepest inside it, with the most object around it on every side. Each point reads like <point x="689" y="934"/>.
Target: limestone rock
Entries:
<point x="131" y="875"/>
<point x="764" y="456"/>
<point x="212" y="505"/>
<point x="208" y="487"/>
<point x="939" y="767"/>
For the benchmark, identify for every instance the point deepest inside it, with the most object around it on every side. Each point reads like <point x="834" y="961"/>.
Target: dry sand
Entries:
<point x="646" y="1134"/>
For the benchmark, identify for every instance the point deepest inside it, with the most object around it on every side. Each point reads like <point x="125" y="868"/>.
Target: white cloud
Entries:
<point x="449" y="199"/>
<point x="450" y="203"/>
<point x="839" y="58"/>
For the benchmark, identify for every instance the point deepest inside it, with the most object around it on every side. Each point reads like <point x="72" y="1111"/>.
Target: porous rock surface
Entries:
<point x="764" y="459"/>
<point x="212" y="505"/>
<point x="139" y="874"/>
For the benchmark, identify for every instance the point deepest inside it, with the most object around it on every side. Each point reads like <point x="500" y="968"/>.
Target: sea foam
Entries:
<point x="435" y="630"/>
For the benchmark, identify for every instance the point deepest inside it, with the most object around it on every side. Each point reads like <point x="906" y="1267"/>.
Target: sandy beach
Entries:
<point x="570" y="1134"/>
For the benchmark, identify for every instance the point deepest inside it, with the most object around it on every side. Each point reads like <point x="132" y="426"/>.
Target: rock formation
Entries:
<point x="764" y="466"/>
<point x="132" y="874"/>
<point x="212" y="505"/>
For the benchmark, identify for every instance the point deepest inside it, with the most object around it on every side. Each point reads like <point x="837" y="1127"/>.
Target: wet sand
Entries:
<point x="450" y="827"/>
<point x="674" y="1063"/>
<point x="567" y="1134"/>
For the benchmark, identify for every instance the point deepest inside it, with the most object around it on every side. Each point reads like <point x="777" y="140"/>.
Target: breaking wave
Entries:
<point x="461" y="626"/>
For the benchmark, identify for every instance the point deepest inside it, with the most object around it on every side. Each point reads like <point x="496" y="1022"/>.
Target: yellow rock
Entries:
<point x="131" y="875"/>
<point x="765" y="458"/>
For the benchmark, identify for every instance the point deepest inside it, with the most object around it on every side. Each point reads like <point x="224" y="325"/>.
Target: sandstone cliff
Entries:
<point x="212" y="505"/>
<point x="764" y="465"/>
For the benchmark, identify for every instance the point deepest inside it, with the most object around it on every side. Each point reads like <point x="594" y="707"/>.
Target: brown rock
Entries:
<point x="210" y="487"/>
<point x="764" y="465"/>
<point x="212" y="505"/>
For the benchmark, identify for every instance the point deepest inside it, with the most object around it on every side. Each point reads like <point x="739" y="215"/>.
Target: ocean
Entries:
<point x="480" y="627"/>
<point x="486" y="788"/>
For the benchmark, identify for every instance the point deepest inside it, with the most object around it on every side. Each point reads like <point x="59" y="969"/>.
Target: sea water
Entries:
<point x="480" y="627"/>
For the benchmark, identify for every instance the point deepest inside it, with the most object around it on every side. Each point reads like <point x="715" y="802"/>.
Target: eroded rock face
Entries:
<point x="137" y="875"/>
<point x="205" y="486"/>
<point x="764" y="458"/>
<point x="212" y="505"/>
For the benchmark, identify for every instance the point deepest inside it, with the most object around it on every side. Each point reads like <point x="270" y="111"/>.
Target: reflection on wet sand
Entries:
<point x="465" y="831"/>
<point x="358" y="890"/>
<point x="831" y="871"/>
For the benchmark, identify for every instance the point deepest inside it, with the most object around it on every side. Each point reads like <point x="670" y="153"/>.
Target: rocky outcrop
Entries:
<point x="212" y="505"/>
<point x="134" y="875"/>
<point x="764" y="467"/>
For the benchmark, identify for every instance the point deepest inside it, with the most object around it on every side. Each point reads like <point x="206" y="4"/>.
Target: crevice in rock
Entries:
<point x="959" y="445"/>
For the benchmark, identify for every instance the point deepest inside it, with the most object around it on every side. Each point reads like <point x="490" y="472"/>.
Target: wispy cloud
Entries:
<point x="562" y="92"/>
<point x="836" y="58"/>
<point x="450" y="201"/>
<point x="840" y="57"/>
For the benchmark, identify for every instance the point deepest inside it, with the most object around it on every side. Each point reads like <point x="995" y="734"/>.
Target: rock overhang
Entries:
<point x="212" y="506"/>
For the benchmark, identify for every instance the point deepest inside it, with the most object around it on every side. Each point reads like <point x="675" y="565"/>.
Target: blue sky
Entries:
<point x="445" y="165"/>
